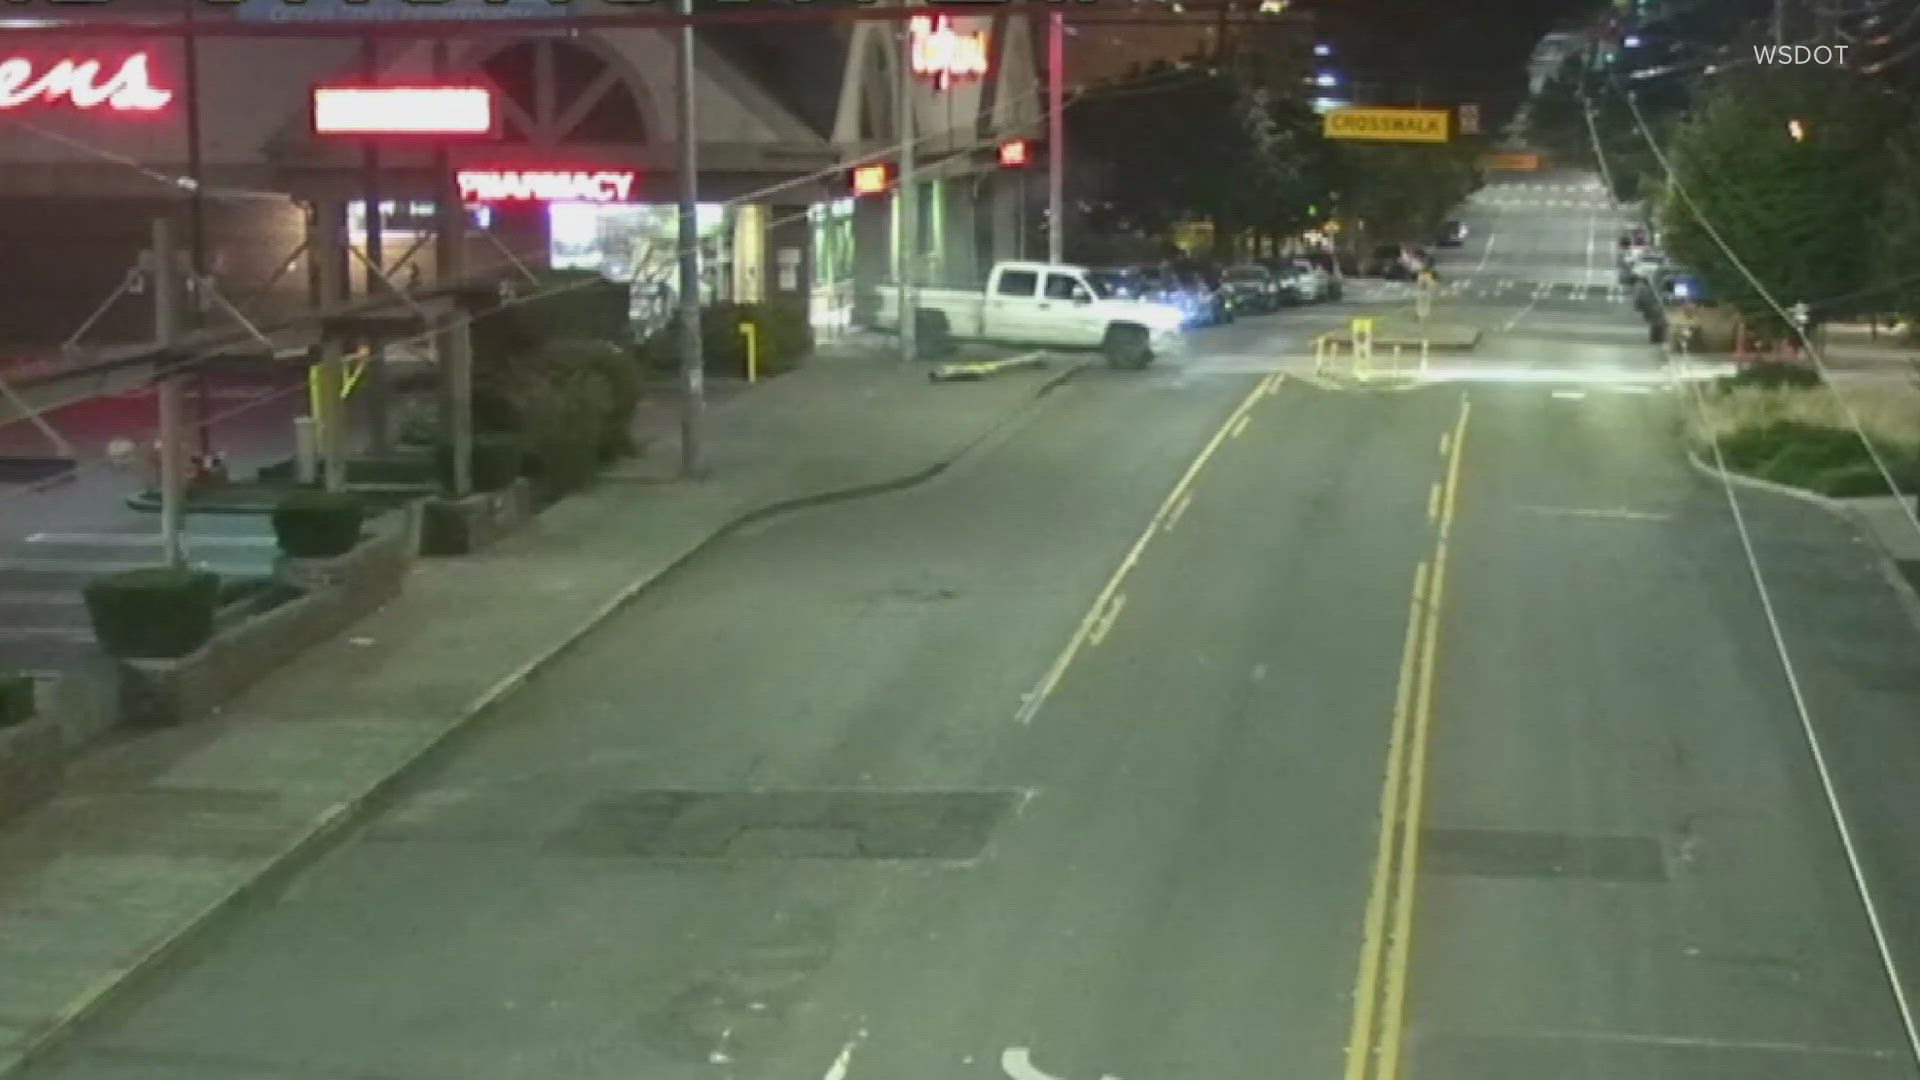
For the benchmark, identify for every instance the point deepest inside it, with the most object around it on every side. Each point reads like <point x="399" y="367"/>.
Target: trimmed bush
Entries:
<point x="16" y="699"/>
<point x="564" y="417"/>
<point x="154" y="613"/>
<point x="318" y="524"/>
<point x="782" y="331"/>
<point x="498" y="460"/>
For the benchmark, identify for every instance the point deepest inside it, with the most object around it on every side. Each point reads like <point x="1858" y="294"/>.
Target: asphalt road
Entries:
<point x="922" y="786"/>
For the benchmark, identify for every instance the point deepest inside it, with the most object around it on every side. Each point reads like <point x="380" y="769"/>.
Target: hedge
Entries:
<point x="783" y="336"/>
<point x="318" y="524"/>
<point x="498" y="460"/>
<point x="153" y="613"/>
<point x="1832" y="461"/>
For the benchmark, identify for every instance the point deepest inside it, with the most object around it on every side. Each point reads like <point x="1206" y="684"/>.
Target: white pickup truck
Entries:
<point x="1046" y="305"/>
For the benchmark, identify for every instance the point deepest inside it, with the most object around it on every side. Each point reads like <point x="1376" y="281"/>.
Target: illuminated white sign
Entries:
<point x="79" y="83"/>
<point x="538" y="185"/>
<point x="946" y="54"/>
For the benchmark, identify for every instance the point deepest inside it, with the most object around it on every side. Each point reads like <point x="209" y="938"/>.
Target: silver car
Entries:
<point x="1310" y="284"/>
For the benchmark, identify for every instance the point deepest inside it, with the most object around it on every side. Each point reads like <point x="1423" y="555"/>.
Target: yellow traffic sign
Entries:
<point x="1388" y="125"/>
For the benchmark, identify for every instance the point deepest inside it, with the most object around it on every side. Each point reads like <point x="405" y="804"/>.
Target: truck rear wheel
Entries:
<point x="1128" y="348"/>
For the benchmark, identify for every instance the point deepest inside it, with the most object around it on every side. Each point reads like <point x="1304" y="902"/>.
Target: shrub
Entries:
<point x="498" y="460"/>
<point x="784" y="338"/>
<point x="318" y="524"/>
<point x="506" y="336"/>
<point x="563" y="415"/>
<point x="155" y="613"/>
<point x="16" y="698"/>
<point x="619" y="378"/>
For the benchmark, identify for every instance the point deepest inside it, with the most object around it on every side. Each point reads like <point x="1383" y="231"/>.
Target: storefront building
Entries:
<point x="579" y="171"/>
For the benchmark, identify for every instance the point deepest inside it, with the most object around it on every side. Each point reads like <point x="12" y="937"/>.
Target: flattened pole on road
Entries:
<point x="170" y="395"/>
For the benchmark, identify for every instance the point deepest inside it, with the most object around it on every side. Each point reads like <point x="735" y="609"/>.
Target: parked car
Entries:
<point x="1398" y="262"/>
<point x="1307" y="282"/>
<point x="1383" y="261"/>
<point x="1452" y="234"/>
<point x="1643" y="265"/>
<point x="1252" y="288"/>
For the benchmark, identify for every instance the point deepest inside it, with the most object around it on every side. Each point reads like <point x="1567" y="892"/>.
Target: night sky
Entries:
<point x="1442" y="50"/>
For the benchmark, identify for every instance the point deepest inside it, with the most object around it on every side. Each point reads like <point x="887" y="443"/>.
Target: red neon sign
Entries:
<point x="1015" y="154"/>
<point x="129" y="89"/>
<point x="945" y="54"/>
<point x="871" y="179"/>
<point x="544" y="185"/>
<point x="402" y="110"/>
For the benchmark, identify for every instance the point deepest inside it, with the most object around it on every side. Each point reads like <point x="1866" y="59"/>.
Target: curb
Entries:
<point x="1823" y="501"/>
<point x="336" y="819"/>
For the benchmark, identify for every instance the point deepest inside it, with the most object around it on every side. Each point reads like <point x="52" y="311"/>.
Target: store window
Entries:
<point x="408" y="219"/>
<point x="638" y="243"/>
<point x="832" y="284"/>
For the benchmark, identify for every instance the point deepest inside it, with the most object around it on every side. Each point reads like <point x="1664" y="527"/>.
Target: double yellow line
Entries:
<point x="1106" y="606"/>
<point x="1380" y="990"/>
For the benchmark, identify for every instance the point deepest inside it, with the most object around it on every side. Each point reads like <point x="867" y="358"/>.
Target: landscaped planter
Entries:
<point x="463" y="526"/>
<point x="338" y="592"/>
<point x="33" y="756"/>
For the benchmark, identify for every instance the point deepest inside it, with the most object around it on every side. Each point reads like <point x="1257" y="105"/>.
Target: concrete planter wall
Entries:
<point x="339" y="592"/>
<point x="33" y="758"/>
<point x="464" y="526"/>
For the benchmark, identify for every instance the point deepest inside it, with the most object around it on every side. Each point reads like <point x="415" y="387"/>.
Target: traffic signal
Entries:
<point x="873" y="179"/>
<point x="1016" y="154"/>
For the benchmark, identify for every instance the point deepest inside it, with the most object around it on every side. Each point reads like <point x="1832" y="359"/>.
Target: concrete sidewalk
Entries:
<point x="154" y="838"/>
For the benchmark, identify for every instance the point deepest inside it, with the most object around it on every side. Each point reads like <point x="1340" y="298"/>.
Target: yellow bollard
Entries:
<point x="752" y="334"/>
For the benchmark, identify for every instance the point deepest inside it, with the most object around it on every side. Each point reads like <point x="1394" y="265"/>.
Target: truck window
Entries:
<point x="1018" y="283"/>
<point x="1063" y="286"/>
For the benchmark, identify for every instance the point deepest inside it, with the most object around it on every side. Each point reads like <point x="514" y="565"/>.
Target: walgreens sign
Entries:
<point x="124" y="85"/>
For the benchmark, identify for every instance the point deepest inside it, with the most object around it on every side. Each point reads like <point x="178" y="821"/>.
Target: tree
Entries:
<point x="1556" y="116"/>
<point x="1797" y="209"/>
<point x="1896" y="261"/>
<point x="1166" y="145"/>
<point x="1170" y="143"/>
<point x="1396" y="191"/>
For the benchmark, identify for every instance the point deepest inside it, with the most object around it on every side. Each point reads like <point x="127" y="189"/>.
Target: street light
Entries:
<point x="1325" y="79"/>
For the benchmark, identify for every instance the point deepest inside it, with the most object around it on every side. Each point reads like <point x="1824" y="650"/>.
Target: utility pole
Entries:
<point x="1056" y="137"/>
<point x="692" y="355"/>
<point x="169" y="393"/>
<point x="455" y="341"/>
<point x="196" y="209"/>
<point x="328" y="245"/>
<point x="376" y="377"/>
<point x="906" y="216"/>
<point x="1779" y="22"/>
